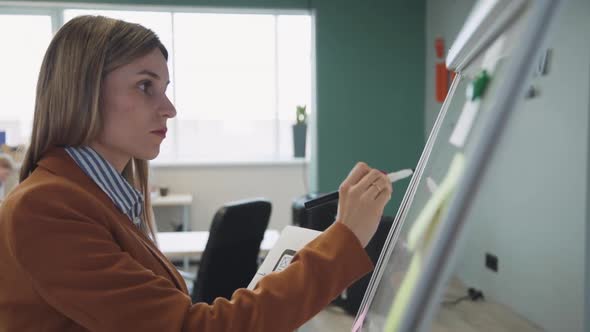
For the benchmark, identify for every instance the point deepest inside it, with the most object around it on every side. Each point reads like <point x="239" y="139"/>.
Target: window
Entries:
<point x="236" y="78"/>
<point x="19" y="65"/>
<point x="226" y="88"/>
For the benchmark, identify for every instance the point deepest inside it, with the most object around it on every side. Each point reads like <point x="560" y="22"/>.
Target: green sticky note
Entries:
<point x="478" y="87"/>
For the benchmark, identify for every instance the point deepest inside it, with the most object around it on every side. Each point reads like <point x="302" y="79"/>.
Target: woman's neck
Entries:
<point x="117" y="159"/>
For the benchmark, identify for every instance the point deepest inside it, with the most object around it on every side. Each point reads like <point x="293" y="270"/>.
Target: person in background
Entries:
<point x="6" y="170"/>
<point x="77" y="249"/>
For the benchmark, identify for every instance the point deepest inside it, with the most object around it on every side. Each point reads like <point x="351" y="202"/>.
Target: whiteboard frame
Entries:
<point x="487" y="20"/>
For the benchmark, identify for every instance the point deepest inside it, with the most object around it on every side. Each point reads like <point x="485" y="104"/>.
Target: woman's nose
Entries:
<point x="167" y="108"/>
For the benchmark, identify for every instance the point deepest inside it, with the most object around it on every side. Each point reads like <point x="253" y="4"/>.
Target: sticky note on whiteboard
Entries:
<point x="493" y="55"/>
<point x="464" y="124"/>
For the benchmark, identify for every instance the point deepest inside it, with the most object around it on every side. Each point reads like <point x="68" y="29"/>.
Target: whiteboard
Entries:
<point x="503" y="37"/>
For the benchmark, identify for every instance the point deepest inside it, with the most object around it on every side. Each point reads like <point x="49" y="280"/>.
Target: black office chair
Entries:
<point x="230" y="259"/>
<point x="318" y="218"/>
<point x="322" y="217"/>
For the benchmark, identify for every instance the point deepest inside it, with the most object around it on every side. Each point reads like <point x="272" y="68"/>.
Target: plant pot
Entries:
<point x="299" y="138"/>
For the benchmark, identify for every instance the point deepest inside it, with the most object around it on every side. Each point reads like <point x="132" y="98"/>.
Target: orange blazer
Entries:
<point x="71" y="261"/>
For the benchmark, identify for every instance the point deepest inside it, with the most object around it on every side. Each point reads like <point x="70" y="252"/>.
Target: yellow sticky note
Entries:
<point x="403" y="294"/>
<point x="428" y="217"/>
<point x="419" y="239"/>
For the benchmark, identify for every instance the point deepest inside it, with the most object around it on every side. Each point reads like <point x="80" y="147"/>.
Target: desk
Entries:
<point x="184" y="244"/>
<point x="183" y="200"/>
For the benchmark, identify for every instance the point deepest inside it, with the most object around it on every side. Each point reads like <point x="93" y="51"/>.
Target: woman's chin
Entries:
<point x="148" y="155"/>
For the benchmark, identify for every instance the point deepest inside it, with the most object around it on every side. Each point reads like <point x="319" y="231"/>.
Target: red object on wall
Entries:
<point x="441" y="74"/>
<point x="439" y="45"/>
<point x="442" y="82"/>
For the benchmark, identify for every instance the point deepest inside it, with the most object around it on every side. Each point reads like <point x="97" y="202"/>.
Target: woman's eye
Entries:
<point x="145" y="86"/>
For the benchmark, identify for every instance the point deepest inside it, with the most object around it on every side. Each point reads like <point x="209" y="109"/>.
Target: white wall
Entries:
<point x="532" y="210"/>
<point x="212" y="186"/>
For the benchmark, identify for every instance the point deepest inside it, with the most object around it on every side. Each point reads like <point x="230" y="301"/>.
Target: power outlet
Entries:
<point x="492" y="262"/>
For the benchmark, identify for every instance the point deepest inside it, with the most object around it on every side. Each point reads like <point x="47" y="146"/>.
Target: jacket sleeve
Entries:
<point x="78" y="268"/>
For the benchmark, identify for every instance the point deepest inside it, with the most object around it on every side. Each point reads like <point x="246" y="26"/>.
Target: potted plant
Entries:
<point x="300" y="132"/>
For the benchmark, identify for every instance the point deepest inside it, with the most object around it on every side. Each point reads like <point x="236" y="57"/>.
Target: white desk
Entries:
<point x="183" y="200"/>
<point x="184" y="244"/>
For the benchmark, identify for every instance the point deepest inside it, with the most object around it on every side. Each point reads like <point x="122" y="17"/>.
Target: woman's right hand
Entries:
<point x="362" y="198"/>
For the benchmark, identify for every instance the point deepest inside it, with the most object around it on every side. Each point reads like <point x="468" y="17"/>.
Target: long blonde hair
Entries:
<point x="77" y="60"/>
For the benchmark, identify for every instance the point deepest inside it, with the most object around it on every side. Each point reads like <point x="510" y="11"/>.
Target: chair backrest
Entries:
<point x="230" y="259"/>
<point x="322" y="217"/>
<point x="318" y="218"/>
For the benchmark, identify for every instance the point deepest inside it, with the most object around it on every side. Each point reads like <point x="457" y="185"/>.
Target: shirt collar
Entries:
<point x="125" y="197"/>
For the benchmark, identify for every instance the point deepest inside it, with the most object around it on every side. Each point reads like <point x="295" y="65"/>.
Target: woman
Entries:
<point x="76" y="249"/>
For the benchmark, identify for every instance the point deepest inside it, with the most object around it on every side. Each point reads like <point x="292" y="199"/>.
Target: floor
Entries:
<point x="465" y="316"/>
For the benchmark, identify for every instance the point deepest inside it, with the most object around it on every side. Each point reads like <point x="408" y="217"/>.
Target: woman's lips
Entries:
<point x="161" y="132"/>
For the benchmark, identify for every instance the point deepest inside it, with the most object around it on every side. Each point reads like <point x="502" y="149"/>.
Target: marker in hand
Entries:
<point x="331" y="197"/>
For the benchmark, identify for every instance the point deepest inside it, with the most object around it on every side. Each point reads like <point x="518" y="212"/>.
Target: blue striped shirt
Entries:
<point x="126" y="198"/>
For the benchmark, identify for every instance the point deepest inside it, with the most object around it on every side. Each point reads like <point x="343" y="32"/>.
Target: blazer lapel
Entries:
<point x="171" y="269"/>
<point x="57" y="161"/>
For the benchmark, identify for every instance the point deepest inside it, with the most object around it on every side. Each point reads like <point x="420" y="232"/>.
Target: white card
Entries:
<point x="493" y="55"/>
<point x="292" y="239"/>
<point x="463" y="126"/>
<point x="431" y="185"/>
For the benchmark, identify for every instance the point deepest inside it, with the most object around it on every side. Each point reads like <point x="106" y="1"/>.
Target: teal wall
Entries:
<point x="370" y="87"/>
<point x="370" y="82"/>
